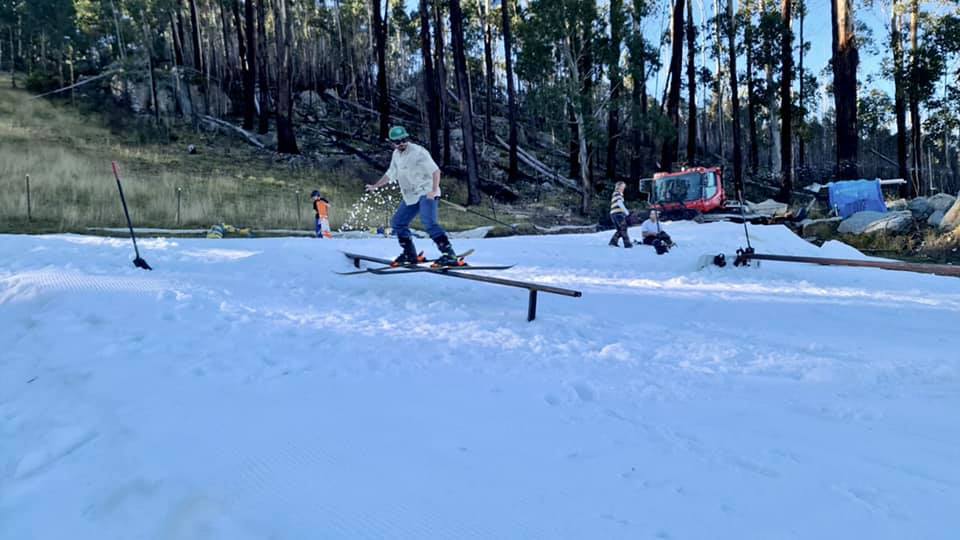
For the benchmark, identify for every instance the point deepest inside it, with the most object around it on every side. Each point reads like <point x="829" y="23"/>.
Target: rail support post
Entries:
<point x="532" y="306"/>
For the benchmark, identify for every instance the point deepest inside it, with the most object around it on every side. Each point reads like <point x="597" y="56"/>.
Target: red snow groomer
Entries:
<point x="688" y="194"/>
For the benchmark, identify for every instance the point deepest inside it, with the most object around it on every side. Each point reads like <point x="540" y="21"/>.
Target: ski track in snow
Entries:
<point x="243" y="390"/>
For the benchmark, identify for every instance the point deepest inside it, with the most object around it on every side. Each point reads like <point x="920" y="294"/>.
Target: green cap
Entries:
<point x="398" y="133"/>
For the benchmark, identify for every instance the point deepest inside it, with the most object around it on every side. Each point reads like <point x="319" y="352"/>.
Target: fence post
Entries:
<point x="178" y="205"/>
<point x="296" y="203"/>
<point x="29" y="216"/>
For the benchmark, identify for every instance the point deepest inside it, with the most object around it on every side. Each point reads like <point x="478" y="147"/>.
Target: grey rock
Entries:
<point x="921" y="208"/>
<point x="935" y="218"/>
<point x="820" y="228"/>
<point x="869" y="222"/>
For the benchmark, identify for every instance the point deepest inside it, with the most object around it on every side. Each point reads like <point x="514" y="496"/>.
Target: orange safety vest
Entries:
<point x="321" y="208"/>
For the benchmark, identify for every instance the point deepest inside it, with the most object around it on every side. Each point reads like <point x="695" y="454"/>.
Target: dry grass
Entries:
<point x="67" y="153"/>
<point x="942" y="246"/>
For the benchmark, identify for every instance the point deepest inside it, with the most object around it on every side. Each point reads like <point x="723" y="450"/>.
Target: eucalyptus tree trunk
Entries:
<point x="691" y="87"/>
<point x="786" y="102"/>
<point x="512" y="172"/>
<point x="616" y="84"/>
<point x="488" y="67"/>
<point x="915" y="127"/>
<point x="845" y="60"/>
<point x="383" y="91"/>
<point x="286" y="138"/>
<point x="466" y="110"/>
<point x="195" y="36"/>
<point x="735" y="100"/>
<point x="900" y="107"/>
<point x="263" y="74"/>
<point x="748" y="38"/>
<point x="671" y="145"/>
<point x="429" y="81"/>
<point x="576" y="112"/>
<point x="248" y="47"/>
<point x="441" y="77"/>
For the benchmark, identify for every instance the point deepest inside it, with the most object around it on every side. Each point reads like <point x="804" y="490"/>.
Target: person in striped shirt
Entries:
<point x="619" y="213"/>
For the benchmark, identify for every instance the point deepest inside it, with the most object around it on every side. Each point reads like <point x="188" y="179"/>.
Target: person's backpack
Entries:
<point x="660" y="246"/>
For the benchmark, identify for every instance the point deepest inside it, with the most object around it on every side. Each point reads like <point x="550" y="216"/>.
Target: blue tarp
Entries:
<point x="854" y="196"/>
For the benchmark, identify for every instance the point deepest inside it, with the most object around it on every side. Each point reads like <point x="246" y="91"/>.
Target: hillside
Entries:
<point x="66" y="149"/>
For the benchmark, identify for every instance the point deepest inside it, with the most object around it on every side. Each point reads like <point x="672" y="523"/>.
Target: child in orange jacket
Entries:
<point x="321" y="207"/>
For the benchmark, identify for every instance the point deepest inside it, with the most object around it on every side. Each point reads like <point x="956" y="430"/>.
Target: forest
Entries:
<point x="575" y="92"/>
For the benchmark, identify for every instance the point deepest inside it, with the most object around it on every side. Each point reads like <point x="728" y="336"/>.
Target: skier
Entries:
<point x="654" y="235"/>
<point x="418" y="176"/>
<point x="321" y="208"/>
<point x="619" y="213"/>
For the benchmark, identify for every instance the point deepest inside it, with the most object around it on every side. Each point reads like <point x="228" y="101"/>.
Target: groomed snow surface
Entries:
<point x="243" y="390"/>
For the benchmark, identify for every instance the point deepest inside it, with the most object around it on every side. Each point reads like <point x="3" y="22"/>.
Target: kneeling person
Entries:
<point x="418" y="176"/>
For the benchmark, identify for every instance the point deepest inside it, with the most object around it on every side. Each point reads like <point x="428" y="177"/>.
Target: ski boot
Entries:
<point x="448" y="257"/>
<point x="409" y="257"/>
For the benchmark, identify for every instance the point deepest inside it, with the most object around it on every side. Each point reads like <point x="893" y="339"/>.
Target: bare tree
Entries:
<point x="383" y="91"/>
<point x="263" y="59"/>
<point x="195" y="35"/>
<point x="429" y="81"/>
<point x="616" y="83"/>
<point x="670" y="146"/>
<point x="900" y="107"/>
<point x="466" y="110"/>
<point x="441" y="66"/>
<point x="248" y="54"/>
<point x="511" y="92"/>
<point x="786" y="102"/>
<point x="734" y="100"/>
<point x="915" y="127"/>
<point x="286" y="138"/>
<point x="845" y="61"/>
<point x="691" y="87"/>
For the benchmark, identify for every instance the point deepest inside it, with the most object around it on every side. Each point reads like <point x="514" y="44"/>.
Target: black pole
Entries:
<point x="29" y="217"/>
<point x="178" y="205"/>
<point x="138" y="262"/>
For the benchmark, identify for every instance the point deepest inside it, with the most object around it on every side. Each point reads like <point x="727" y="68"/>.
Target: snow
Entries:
<point x="243" y="390"/>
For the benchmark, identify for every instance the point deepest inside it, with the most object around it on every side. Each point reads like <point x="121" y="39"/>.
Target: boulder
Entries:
<point x="941" y="202"/>
<point x="309" y="102"/>
<point x="935" y="218"/>
<point x="409" y="94"/>
<point x="819" y="228"/>
<point x="897" y="205"/>
<point x="768" y="207"/>
<point x="951" y="218"/>
<point x="870" y="222"/>
<point x="921" y="208"/>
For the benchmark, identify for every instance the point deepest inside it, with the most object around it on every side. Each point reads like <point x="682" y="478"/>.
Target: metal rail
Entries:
<point x="534" y="288"/>
<point x="923" y="268"/>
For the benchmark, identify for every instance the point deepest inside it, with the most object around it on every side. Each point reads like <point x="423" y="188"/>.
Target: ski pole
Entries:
<point x="465" y="209"/>
<point x="138" y="262"/>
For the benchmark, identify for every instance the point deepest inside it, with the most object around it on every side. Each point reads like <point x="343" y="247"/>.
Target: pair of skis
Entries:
<point x="412" y="268"/>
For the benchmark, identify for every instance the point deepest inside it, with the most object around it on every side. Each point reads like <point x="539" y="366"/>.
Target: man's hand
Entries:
<point x="435" y="194"/>
<point x="371" y="187"/>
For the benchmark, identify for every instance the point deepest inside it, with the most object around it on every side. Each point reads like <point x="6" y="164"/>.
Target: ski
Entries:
<point x="461" y="256"/>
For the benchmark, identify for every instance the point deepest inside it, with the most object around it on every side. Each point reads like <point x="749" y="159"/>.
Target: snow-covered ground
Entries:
<point x="243" y="390"/>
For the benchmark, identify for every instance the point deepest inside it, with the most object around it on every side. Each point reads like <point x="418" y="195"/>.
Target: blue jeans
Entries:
<point x="427" y="208"/>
